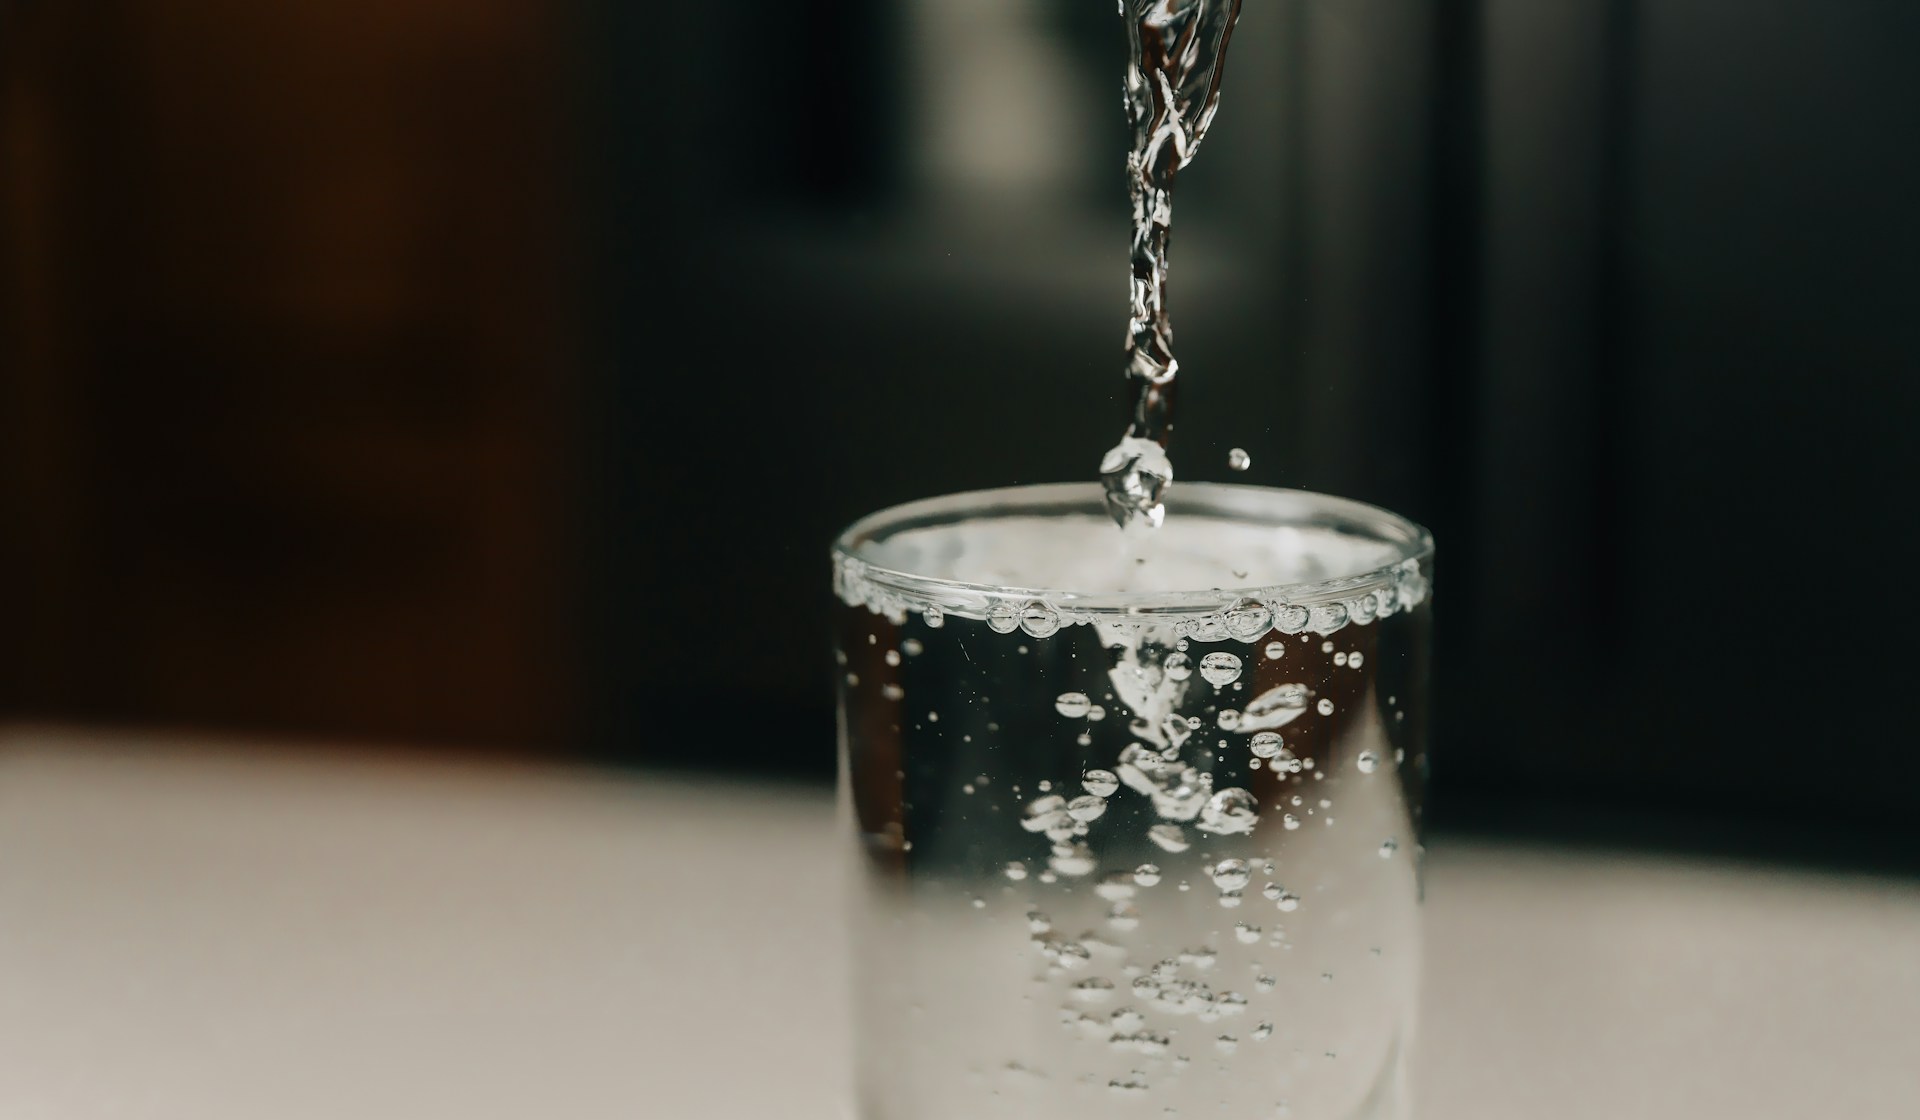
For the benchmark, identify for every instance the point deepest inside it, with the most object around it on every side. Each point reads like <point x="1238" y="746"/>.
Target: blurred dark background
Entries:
<point x="494" y="374"/>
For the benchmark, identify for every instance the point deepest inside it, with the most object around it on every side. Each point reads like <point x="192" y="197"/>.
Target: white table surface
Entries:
<point x="203" y="931"/>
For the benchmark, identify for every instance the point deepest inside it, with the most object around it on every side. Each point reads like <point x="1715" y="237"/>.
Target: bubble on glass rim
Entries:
<point x="1002" y="618"/>
<point x="1327" y="619"/>
<point x="1248" y="619"/>
<point x="1039" y="620"/>
<point x="1289" y="619"/>
<point x="1073" y="705"/>
<point x="1220" y="668"/>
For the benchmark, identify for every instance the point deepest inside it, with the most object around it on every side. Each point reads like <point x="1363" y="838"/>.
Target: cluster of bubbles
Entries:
<point x="1246" y="619"/>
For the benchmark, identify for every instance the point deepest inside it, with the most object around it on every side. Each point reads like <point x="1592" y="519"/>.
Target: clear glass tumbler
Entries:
<point x="1137" y="813"/>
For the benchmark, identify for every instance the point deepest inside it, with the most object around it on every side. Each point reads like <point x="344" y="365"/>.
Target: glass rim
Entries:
<point x="1357" y="597"/>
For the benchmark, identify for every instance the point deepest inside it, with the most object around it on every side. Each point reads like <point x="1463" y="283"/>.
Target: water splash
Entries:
<point x="1179" y="50"/>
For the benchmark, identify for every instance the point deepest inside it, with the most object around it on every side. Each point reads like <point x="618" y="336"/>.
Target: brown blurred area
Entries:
<point x="286" y="368"/>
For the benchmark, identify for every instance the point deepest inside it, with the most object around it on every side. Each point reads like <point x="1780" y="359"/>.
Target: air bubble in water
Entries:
<point x="1246" y="934"/>
<point x="1016" y="871"/>
<point x="1340" y="659"/>
<point x="1276" y="650"/>
<point x="1095" y="990"/>
<point x="1354" y="660"/>
<point x="1238" y="459"/>
<point x="1265" y="983"/>
<point x="1267" y="744"/>
<point x="1220" y="668"/>
<point x="1228" y="719"/>
<point x="1124" y="917"/>
<point x="1289" y="821"/>
<point x="912" y="647"/>
<point x="1127" y="1019"/>
<point x="1228" y="812"/>
<point x="1229" y="900"/>
<point x="1230" y="1003"/>
<point x="1324" y="707"/>
<point x="1116" y="886"/>
<point x="1327" y="619"/>
<point x="1045" y="813"/>
<point x="1039" y="620"/>
<point x="1100" y="783"/>
<point x="1226" y="1044"/>
<point x="1087" y="808"/>
<point x="1181" y="796"/>
<point x="1388" y="847"/>
<point x="1096" y="713"/>
<point x="1170" y="837"/>
<point x="1073" y="705"/>
<point x="1072" y="860"/>
<point x="1133" y="1085"/>
<point x="1248" y="619"/>
<point x="1263" y="1032"/>
<point x="1142" y="768"/>
<point x="892" y="657"/>
<point x="1146" y="874"/>
<point x="1231" y="874"/>
<point x="1287" y="902"/>
<point x="1177" y="666"/>
<point x="1276" y="707"/>
<point x="1367" y="763"/>
<point x="1003" y="619"/>
<point x="1038" y="922"/>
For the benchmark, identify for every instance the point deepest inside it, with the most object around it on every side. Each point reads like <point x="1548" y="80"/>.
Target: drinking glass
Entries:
<point x="1136" y="813"/>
